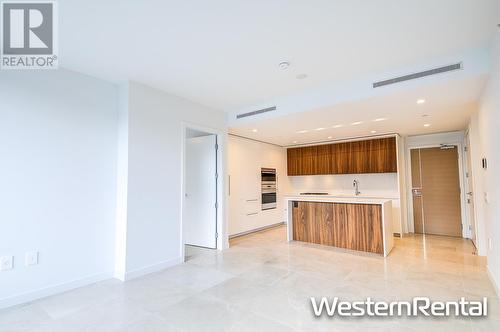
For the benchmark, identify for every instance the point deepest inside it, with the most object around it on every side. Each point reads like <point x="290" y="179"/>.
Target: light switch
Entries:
<point x="31" y="258"/>
<point x="6" y="263"/>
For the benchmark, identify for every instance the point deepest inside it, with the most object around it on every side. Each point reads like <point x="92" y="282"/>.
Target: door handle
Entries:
<point x="469" y="193"/>
<point x="417" y="192"/>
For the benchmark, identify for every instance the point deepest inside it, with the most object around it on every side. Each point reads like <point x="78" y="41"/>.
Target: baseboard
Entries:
<point x="255" y="230"/>
<point x="52" y="290"/>
<point x="493" y="281"/>
<point x="151" y="268"/>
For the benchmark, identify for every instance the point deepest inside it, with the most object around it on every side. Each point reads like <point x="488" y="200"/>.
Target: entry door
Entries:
<point x="437" y="194"/>
<point x="200" y="212"/>
<point x="470" y="194"/>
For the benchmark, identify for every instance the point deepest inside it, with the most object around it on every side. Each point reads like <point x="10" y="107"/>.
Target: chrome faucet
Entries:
<point x="355" y="184"/>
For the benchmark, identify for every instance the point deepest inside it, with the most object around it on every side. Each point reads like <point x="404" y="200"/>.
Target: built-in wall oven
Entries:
<point x="268" y="188"/>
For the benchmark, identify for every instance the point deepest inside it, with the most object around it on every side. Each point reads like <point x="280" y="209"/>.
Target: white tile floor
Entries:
<point x="263" y="283"/>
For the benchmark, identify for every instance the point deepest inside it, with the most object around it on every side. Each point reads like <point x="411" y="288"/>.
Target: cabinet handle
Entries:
<point x="252" y="200"/>
<point x="252" y="214"/>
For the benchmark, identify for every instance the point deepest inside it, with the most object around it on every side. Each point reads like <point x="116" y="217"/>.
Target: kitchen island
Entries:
<point x="355" y="223"/>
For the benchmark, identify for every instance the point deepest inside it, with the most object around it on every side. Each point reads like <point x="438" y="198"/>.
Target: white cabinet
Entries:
<point x="245" y="160"/>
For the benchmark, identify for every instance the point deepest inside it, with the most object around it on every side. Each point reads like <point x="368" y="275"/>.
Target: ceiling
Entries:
<point x="225" y="54"/>
<point x="448" y="106"/>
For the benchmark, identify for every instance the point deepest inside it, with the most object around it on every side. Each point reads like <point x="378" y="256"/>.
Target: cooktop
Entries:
<point x="307" y="193"/>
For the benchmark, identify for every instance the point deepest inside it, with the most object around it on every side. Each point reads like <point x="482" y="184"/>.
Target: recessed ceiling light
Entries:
<point x="302" y="131"/>
<point x="301" y="76"/>
<point x="420" y="101"/>
<point x="294" y="142"/>
<point x="427" y="125"/>
<point x="356" y="123"/>
<point x="330" y="137"/>
<point x="337" y="126"/>
<point x="379" y="119"/>
<point x="254" y="130"/>
<point x="284" y="65"/>
<point x="319" y="129"/>
<point x="373" y="131"/>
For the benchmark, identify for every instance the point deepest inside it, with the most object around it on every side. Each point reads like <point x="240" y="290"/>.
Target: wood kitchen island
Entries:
<point x="360" y="224"/>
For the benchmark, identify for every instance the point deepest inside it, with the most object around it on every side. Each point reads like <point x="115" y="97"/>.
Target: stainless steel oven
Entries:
<point x="268" y="188"/>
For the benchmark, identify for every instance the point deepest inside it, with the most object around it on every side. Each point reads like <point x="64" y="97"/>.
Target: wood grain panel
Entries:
<point x="349" y="226"/>
<point x="415" y="168"/>
<point x="367" y="156"/>
<point x="359" y="158"/>
<point x="294" y="158"/>
<point x="388" y="156"/>
<point x="309" y="160"/>
<point x="441" y="191"/>
<point x="418" y="221"/>
<point x="341" y="158"/>
<point x="324" y="160"/>
<point x="416" y="183"/>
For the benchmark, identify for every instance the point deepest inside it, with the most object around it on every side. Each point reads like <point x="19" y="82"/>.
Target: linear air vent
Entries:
<point x="264" y="110"/>
<point x="434" y="71"/>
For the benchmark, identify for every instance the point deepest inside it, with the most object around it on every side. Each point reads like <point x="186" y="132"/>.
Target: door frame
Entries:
<point x="467" y="154"/>
<point x="221" y="222"/>
<point x="461" y="175"/>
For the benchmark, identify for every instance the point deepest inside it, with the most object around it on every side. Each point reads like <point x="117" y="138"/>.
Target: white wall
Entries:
<point x="58" y="134"/>
<point x="485" y="137"/>
<point x="477" y="185"/>
<point x="245" y="160"/>
<point x="156" y="130"/>
<point x="430" y="140"/>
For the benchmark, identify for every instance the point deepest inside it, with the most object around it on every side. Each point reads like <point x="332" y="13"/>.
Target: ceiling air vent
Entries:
<point x="434" y="71"/>
<point x="264" y="110"/>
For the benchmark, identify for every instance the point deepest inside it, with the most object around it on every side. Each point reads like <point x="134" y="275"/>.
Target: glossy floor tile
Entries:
<point x="263" y="283"/>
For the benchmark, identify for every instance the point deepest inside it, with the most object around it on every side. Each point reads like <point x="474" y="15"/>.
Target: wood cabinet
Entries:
<point x="368" y="156"/>
<point x="343" y="225"/>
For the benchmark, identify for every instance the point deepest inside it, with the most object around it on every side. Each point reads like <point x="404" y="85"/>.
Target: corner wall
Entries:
<point x="485" y="136"/>
<point x="58" y="135"/>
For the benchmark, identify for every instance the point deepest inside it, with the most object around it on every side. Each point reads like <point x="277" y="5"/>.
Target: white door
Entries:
<point x="200" y="212"/>
<point x="470" y="194"/>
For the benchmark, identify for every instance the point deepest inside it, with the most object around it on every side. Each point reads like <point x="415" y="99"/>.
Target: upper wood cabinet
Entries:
<point x="368" y="156"/>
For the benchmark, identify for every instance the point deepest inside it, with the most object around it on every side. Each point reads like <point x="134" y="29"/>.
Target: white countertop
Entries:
<point x="337" y="199"/>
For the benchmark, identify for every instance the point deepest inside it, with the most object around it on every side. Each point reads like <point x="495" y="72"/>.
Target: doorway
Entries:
<point x="200" y="191"/>
<point x="435" y="176"/>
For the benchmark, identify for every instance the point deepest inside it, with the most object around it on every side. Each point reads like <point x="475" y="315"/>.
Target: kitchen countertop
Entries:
<point x="336" y="199"/>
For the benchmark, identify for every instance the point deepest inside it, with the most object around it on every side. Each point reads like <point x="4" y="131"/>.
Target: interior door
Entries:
<point x="470" y="194"/>
<point x="200" y="212"/>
